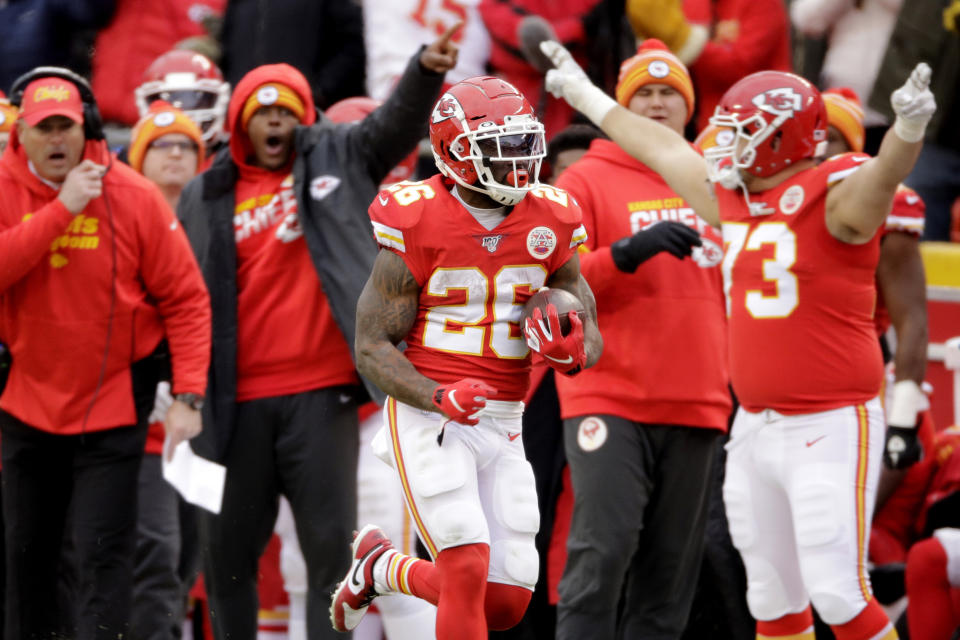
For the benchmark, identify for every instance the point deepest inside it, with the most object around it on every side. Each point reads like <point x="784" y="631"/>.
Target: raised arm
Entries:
<point x="660" y="148"/>
<point x="858" y="205"/>
<point x="392" y="131"/>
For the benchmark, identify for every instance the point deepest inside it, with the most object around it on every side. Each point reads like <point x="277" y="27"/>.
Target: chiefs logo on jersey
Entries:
<point x="447" y="107"/>
<point x="779" y="101"/>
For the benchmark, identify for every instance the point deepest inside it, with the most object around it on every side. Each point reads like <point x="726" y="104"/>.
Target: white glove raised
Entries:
<point x="914" y="105"/>
<point x="568" y="81"/>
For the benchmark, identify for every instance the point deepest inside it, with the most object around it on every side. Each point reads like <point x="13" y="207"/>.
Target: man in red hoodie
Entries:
<point x="280" y="227"/>
<point x="640" y="428"/>
<point x="94" y="273"/>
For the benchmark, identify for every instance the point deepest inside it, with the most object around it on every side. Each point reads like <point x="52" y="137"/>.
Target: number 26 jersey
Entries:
<point x="473" y="281"/>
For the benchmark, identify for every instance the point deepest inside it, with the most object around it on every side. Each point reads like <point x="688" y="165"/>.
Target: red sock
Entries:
<point x="796" y="626"/>
<point x="463" y="579"/>
<point x="929" y="597"/>
<point x="870" y="624"/>
<point x="412" y="576"/>
<point x="504" y="605"/>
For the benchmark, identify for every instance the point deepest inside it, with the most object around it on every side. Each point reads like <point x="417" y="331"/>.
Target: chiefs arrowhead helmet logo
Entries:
<point x="447" y="107"/>
<point x="779" y="101"/>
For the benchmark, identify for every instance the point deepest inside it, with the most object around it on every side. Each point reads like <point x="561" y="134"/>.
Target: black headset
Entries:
<point x="92" y="122"/>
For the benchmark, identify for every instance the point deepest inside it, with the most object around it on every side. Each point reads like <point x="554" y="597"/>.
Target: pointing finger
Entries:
<point x="553" y="50"/>
<point x="921" y="76"/>
<point x="445" y="38"/>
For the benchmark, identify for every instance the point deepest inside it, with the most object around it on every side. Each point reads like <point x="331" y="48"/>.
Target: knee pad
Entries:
<point x="515" y="496"/>
<point x="457" y="522"/>
<point x="504" y="605"/>
<point x="816" y="514"/>
<point x="767" y="596"/>
<point x="519" y="559"/>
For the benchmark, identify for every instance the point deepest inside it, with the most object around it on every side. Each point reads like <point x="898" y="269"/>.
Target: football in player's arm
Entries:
<point x="461" y="253"/>
<point x="386" y="313"/>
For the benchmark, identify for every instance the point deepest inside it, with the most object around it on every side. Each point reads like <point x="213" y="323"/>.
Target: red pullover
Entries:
<point x="287" y="339"/>
<point x="56" y="285"/>
<point x="664" y="332"/>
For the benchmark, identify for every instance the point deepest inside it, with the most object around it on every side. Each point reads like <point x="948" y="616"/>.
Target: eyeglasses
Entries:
<point x="180" y="145"/>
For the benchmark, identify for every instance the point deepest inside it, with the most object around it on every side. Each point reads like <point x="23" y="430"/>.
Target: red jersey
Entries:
<point x="906" y="216"/>
<point x="287" y="339"/>
<point x="664" y="329"/>
<point x="800" y="302"/>
<point x="474" y="282"/>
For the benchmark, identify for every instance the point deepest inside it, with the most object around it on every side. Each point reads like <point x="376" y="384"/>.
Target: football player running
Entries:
<point x="461" y="253"/>
<point x="801" y="250"/>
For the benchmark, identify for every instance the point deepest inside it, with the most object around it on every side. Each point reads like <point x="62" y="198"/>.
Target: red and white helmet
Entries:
<point x="777" y="119"/>
<point x="486" y="137"/>
<point x="190" y="82"/>
<point x="356" y="109"/>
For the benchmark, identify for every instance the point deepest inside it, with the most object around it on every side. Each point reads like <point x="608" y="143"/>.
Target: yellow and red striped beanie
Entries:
<point x="654" y="64"/>
<point x="162" y="119"/>
<point x="272" y="93"/>
<point x="845" y="114"/>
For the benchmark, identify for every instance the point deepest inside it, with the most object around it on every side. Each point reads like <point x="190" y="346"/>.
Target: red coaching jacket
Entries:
<point x="58" y="274"/>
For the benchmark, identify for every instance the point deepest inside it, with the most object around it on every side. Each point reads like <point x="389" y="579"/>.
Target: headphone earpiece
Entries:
<point x="92" y="122"/>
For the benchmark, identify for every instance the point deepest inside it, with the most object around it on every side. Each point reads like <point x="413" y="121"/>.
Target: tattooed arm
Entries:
<point x="568" y="278"/>
<point x="386" y="312"/>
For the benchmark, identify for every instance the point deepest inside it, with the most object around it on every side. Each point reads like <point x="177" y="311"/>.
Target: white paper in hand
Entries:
<point x="197" y="479"/>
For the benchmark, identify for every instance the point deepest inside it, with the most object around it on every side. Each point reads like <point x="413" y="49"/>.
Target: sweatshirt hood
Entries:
<point x="240" y="147"/>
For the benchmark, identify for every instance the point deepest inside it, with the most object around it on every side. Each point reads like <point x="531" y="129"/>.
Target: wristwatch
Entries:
<point x="192" y="400"/>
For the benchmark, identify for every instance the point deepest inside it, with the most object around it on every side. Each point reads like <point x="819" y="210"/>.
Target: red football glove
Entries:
<point x="461" y="400"/>
<point x="564" y="353"/>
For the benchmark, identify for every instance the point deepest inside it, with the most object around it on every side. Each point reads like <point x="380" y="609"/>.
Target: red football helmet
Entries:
<point x="193" y="84"/>
<point x="352" y="109"/>
<point x="777" y="118"/>
<point x="356" y="109"/>
<point x="486" y="137"/>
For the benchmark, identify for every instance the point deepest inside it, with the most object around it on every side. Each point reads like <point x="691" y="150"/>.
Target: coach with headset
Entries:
<point x="96" y="279"/>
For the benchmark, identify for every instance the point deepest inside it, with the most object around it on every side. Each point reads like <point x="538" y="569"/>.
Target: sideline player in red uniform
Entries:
<point x="801" y="249"/>
<point x="459" y="264"/>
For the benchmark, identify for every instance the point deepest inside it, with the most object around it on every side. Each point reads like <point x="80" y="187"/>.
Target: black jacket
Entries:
<point x="336" y="227"/>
